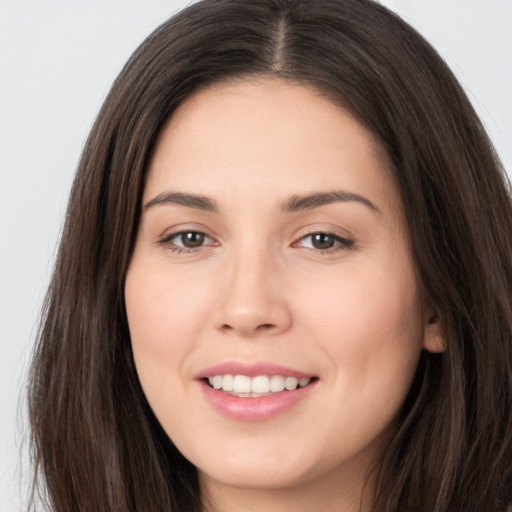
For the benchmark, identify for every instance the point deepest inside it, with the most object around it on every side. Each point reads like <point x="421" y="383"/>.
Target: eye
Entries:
<point x="325" y="242"/>
<point x="187" y="240"/>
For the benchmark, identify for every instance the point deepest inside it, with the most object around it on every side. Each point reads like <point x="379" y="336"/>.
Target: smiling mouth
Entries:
<point x="254" y="387"/>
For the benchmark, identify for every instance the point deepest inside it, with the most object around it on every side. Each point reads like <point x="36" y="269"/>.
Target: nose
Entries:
<point x="253" y="301"/>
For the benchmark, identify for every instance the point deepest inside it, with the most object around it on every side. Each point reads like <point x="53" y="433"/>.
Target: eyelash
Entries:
<point x="340" y="243"/>
<point x="169" y="244"/>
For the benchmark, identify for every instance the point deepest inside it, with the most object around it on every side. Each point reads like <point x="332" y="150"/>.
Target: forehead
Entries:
<point x="268" y="136"/>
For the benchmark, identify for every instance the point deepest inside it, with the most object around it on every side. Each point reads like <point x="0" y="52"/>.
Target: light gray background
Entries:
<point x="57" y="62"/>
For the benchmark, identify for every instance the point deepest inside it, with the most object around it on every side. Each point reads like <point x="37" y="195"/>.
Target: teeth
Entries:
<point x="260" y="385"/>
<point x="304" y="382"/>
<point x="228" y="382"/>
<point x="217" y="381"/>
<point x="276" y="383"/>
<point x="291" y="383"/>
<point x="241" y="384"/>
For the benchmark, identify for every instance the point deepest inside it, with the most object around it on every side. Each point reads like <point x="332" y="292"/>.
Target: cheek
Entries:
<point x="370" y="328"/>
<point x="363" y="300"/>
<point x="163" y="309"/>
<point x="164" y="318"/>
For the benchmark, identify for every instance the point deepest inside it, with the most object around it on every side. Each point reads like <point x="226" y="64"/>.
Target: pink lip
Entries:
<point x="252" y="408"/>
<point x="251" y="370"/>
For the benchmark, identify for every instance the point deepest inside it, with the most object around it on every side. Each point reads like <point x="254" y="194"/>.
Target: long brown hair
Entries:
<point x="96" y="444"/>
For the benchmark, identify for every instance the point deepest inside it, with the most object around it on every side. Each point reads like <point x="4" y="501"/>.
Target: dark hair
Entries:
<point x="96" y="443"/>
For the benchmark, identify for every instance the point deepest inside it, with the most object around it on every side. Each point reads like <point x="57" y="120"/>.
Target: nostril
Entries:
<point x="261" y="327"/>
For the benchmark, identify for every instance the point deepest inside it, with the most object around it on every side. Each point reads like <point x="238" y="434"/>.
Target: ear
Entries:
<point x="434" y="339"/>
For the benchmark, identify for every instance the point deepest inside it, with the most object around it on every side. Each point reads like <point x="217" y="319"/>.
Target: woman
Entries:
<point x="284" y="280"/>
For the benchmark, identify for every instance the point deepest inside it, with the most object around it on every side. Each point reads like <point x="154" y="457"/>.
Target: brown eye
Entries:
<point x="187" y="240"/>
<point x="326" y="242"/>
<point x="192" y="239"/>
<point x="323" y="241"/>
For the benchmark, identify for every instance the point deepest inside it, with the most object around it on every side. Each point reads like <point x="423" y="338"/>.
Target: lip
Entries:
<point x="252" y="409"/>
<point x="251" y="370"/>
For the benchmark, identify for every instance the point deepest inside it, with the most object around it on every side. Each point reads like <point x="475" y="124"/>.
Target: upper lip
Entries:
<point x="251" y="370"/>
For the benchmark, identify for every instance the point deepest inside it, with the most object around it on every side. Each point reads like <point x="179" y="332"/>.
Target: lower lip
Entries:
<point x="254" y="408"/>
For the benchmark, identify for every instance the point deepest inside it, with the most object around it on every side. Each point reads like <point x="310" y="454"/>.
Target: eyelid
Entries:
<point x="172" y="236"/>
<point x="166" y="238"/>
<point x="344" y="241"/>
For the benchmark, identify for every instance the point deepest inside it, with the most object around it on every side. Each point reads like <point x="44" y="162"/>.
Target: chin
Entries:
<point x="259" y="476"/>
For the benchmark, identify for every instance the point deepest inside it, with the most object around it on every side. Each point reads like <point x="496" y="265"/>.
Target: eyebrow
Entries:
<point x="191" y="200"/>
<point x="295" y="203"/>
<point x="311" y="201"/>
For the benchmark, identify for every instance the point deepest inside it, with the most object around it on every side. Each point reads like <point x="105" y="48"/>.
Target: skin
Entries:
<point x="258" y="289"/>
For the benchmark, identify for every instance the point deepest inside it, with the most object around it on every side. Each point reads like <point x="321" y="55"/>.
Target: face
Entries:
<point x="274" y="313"/>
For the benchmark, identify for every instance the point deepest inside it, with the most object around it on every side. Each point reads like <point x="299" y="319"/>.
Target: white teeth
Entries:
<point x="242" y="384"/>
<point x="290" y="383"/>
<point x="304" y="382"/>
<point x="217" y="382"/>
<point x="276" y="383"/>
<point x="227" y="382"/>
<point x="260" y="385"/>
